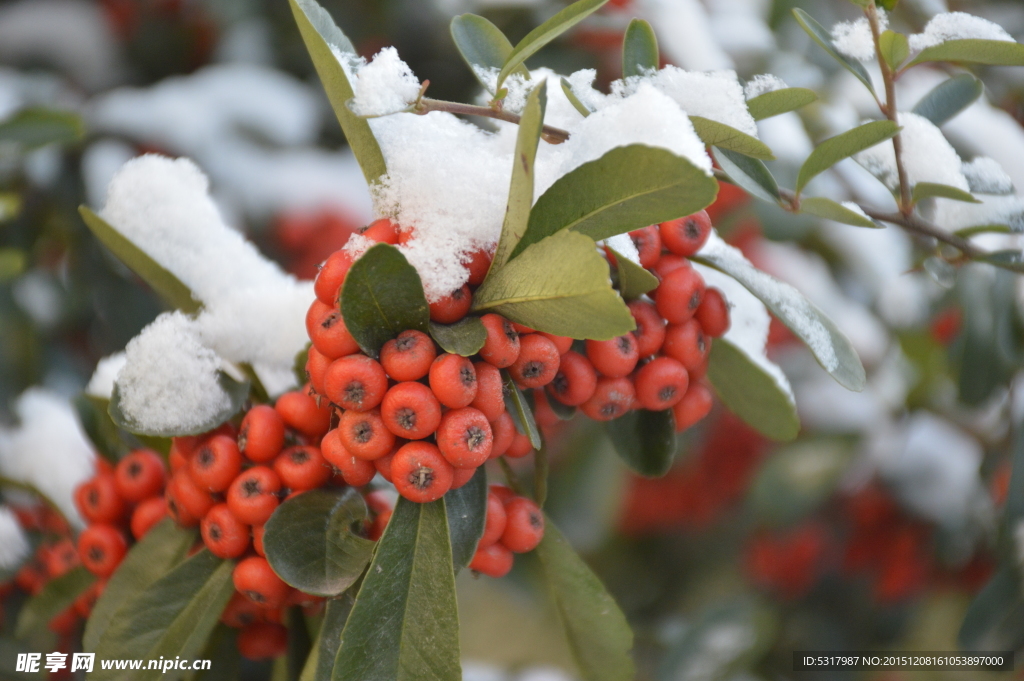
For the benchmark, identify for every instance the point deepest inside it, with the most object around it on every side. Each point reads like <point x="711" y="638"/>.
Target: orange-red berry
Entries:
<point x="650" y="327"/>
<point x="502" y="345"/>
<point x="140" y="475"/>
<point x="216" y="463"/>
<point x="503" y="431"/>
<point x="98" y="501"/>
<point x="612" y="398"/>
<point x="300" y="411"/>
<point x="452" y="307"/>
<point x="262" y="641"/>
<point x="713" y="313"/>
<point x="537" y="363"/>
<point x="465" y="438"/>
<point x="685" y="236"/>
<point x="575" y="381"/>
<point x="493" y="560"/>
<point x="519" y="447"/>
<point x="490" y="396"/>
<point x="356" y="382"/>
<point x="614" y="358"/>
<point x="679" y="295"/>
<point x="453" y="380"/>
<point x="252" y="497"/>
<point x="364" y="434"/>
<point x="224" y="534"/>
<point x="409" y="356"/>
<point x="327" y="330"/>
<point x="694" y="406"/>
<point x="524" y="526"/>
<point x="478" y="265"/>
<point x="261" y="436"/>
<point x="316" y="368"/>
<point x="302" y="468"/>
<point x="648" y="244"/>
<point x="494" y="524"/>
<point x="146" y="515"/>
<point x="420" y="473"/>
<point x="102" y="547"/>
<point x="687" y="343"/>
<point x="255" y="579"/>
<point x="410" y="410"/>
<point x="331" y="277"/>
<point x="660" y="383"/>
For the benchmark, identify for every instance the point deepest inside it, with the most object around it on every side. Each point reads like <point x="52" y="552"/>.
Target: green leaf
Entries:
<point x="1010" y="260"/>
<point x="382" y="296"/>
<point x="574" y="100"/>
<point x="163" y="547"/>
<point x="167" y="286"/>
<point x="888" y="5"/>
<point x="949" y="98"/>
<point x="894" y="48"/>
<point x="520" y="411"/>
<point x="634" y="280"/>
<point x="310" y="543"/>
<point x="12" y="263"/>
<point x="520" y="192"/>
<point x="237" y="394"/>
<point x="299" y="643"/>
<point x="927" y="190"/>
<point x="173" y="617"/>
<point x="798" y="479"/>
<point x="822" y="37"/>
<point x="995" y="618"/>
<point x="545" y="33"/>
<point x="778" y="102"/>
<point x="645" y="440"/>
<point x="538" y="290"/>
<point x="222" y="652"/>
<point x="466" y="508"/>
<point x="751" y="393"/>
<point x="328" y="639"/>
<point x="10" y="205"/>
<point x="404" y="625"/>
<point x="835" y="149"/>
<point x="97" y="424"/>
<point x="320" y="33"/>
<point x="749" y="174"/>
<point x="715" y="134"/>
<point x="639" y="49"/>
<point x="465" y="337"/>
<point x="974" y="51"/>
<point x="482" y="45"/>
<point x="597" y="632"/>
<point x="56" y="596"/>
<point x="36" y="127"/>
<point x="832" y="210"/>
<point x="628" y="188"/>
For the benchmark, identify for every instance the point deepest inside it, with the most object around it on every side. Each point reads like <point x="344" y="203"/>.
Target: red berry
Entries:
<point x="687" y="343"/>
<point x="261" y="436"/>
<point x="223" y="533"/>
<point x="453" y="380"/>
<point x="188" y="496"/>
<point x="685" y="236"/>
<point x="356" y="382"/>
<point x="316" y="368"/>
<point x="452" y="307"/>
<point x="356" y="472"/>
<point x="503" y="431"/>
<point x="494" y="525"/>
<point x="364" y="434"/>
<point x="146" y="515"/>
<point x="563" y="343"/>
<point x="302" y="468"/>
<point x="240" y="611"/>
<point x="478" y="265"/>
<point x="326" y="328"/>
<point x="408" y="357"/>
<point x="502" y="345"/>
<point x="411" y="410"/>
<point x="262" y="641"/>
<point x="493" y="560"/>
<point x="612" y="398"/>
<point x="255" y="579"/>
<point x="383" y="465"/>
<point x="331" y="276"/>
<point x="300" y="411"/>
<point x="102" y="547"/>
<point x="216" y="463"/>
<point x="257" y="540"/>
<point x="575" y="381"/>
<point x="520" y="446"/>
<point x="660" y="383"/>
<point x="382" y="231"/>
<point x="461" y="476"/>
<point x="490" y="396"/>
<point x="252" y="497"/>
<point x="650" y="327"/>
<point x="465" y="438"/>
<point x="713" y="313"/>
<point x="537" y="363"/>
<point x="140" y="475"/>
<point x="648" y="245"/>
<point x="98" y="501"/>
<point x="524" y="527"/>
<point x="694" y="406"/>
<point x="679" y="295"/>
<point x="420" y="473"/>
<point x="667" y="264"/>
<point x="614" y="358"/>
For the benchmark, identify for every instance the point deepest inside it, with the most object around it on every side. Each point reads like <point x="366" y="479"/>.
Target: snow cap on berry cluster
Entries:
<point x="102" y="382"/>
<point x="13" y="543"/>
<point x="854" y="38"/>
<point x="957" y="26"/>
<point x="47" y="449"/>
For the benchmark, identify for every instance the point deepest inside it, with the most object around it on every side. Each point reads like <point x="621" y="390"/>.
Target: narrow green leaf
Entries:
<point x="163" y="547"/>
<point x="822" y="37"/>
<point x="237" y="394"/>
<point x="465" y="337"/>
<point x="634" y="280"/>
<point x="995" y="618"/>
<point x="749" y="173"/>
<point x="974" y="51"/>
<point x="1010" y="260"/>
<point x="831" y="210"/>
<point x="628" y="188"/>
<point x="328" y="639"/>
<point x="546" y="32"/>
<point x="949" y="98"/>
<point x="466" y="508"/>
<point x="835" y="149"/>
<point x="639" y="49"/>
<point x="645" y="440"/>
<point x="520" y="192"/>
<point x="404" y="625"/>
<point x="382" y="296"/>
<point x="320" y="34"/>
<point x="927" y="190"/>
<point x="520" y="411"/>
<point x="751" y="393"/>
<point x="32" y="128"/>
<point x="538" y="290"/>
<point x="56" y="596"/>
<point x="574" y="100"/>
<point x="167" y="286"/>
<point x="482" y="45"/>
<point x="894" y="48"/>
<point x="715" y="134"/>
<point x="778" y="102"/>
<point x="173" y="617"/>
<point x="597" y="632"/>
<point x="310" y="543"/>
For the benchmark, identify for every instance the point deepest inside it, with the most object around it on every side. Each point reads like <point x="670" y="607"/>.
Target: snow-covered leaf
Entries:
<point x="715" y="134"/>
<point x="236" y="391"/>
<point x="751" y="393"/>
<point x="894" y="48"/>
<point x="639" y="49"/>
<point x="778" y="102"/>
<point x="974" y="51"/>
<point x="949" y="98"/>
<point x="482" y="45"/>
<point x="835" y="149"/>
<point x="822" y="37"/>
<point x="749" y="173"/>
<point x="831" y="210"/>
<point x="926" y="190"/>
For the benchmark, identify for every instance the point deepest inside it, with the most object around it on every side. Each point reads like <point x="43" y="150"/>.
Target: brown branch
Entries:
<point x="425" y="105"/>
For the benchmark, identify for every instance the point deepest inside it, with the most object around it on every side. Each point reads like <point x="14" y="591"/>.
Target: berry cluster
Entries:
<point x="513" y="524"/>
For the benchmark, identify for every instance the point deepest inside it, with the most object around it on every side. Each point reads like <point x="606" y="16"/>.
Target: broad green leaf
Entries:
<point x="835" y="149"/>
<point x="465" y="337"/>
<point x="36" y="127"/>
<point x="300" y="644"/>
<point x="482" y="45"/>
<point x="310" y="543"/>
<point x="222" y="652"/>
<point x="320" y="34"/>
<point x="545" y="33"/>
<point x="328" y="639"/>
<point x="749" y="174"/>
<point x="237" y="394"/>
<point x="404" y="625"/>
<point x="639" y="49"/>
<point x="12" y="263"/>
<point x="163" y="547"/>
<point x="715" y="134"/>
<point x="628" y="188"/>
<point x="949" y="98"/>
<point x="466" y="508"/>
<point x="574" y="100"/>
<point x="520" y="411"/>
<point x="597" y="632"/>
<point x="520" y="192"/>
<point x="751" y="393"/>
<point x="974" y="51"/>
<point x="778" y="102"/>
<point x="382" y="296"/>
<point x="894" y="48"/>
<point x="645" y="440"/>
<point x="798" y="479"/>
<point x="56" y="596"/>
<point x="832" y="210"/>
<point x="927" y="190"/>
<point x="995" y="618"/>
<point x="173" y="617"/>
<point x="822" y="37"/>
<point x="634" y="280"/>
<point x="538" y="290"/>
<point x="167" y="286"/>
<point x="97" y="424"/>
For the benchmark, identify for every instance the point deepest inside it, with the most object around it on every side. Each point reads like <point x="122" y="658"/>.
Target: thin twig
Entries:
<point x="425" y="105"/>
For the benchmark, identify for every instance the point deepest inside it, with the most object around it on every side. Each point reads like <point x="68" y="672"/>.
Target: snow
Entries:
<point x="985" y="176"/>
<point x="685" y="33"/>
<point x="760" y="84"/>
<point x="14" y="546"/>
<point x="854" y="38"/>
<point x="957" y="26"/>
<point x="623" y="245"/>
<point x="993" y="210"/>
<point x="386" y="85"/>
<point x="927" y="156"/>
<point x="47" y="450"/>
<point x="855" y="207"/>
<point x="102" y="382"/>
